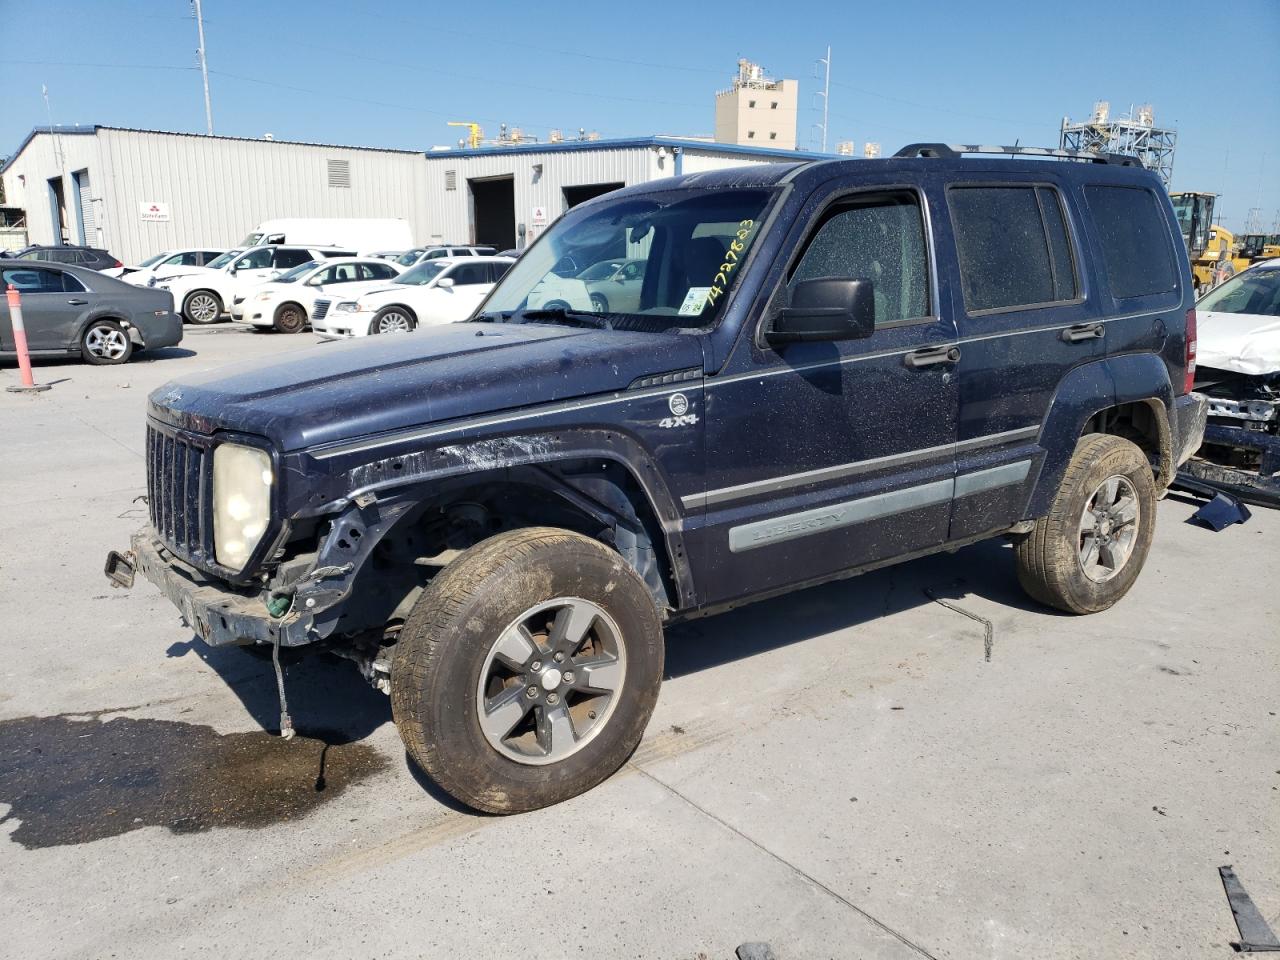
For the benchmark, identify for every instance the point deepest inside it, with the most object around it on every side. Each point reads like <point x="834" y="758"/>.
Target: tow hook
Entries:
<point x="121" y="568"/>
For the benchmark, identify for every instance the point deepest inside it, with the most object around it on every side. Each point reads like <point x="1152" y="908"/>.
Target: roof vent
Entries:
<point x="340" y="173"/>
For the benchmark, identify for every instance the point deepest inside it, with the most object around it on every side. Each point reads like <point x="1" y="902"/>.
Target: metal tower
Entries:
<point x="1135" y="135"/>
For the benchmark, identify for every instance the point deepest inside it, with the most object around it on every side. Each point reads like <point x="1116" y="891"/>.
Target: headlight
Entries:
<point x="264" y="295"/>
<point x="242" y="481"/>
<point x="346" y="306"/>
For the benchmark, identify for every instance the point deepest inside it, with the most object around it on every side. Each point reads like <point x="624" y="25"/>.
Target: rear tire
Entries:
<point x="600" y="303"/>
<point x="1089" y="550"/>
<point x="202" y="307"/>
<point x="105" y="342"/>
<point x="290" y="318"/>
<point x="526" y="672"/>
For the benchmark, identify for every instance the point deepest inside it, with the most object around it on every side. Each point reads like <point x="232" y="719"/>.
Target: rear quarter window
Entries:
<point x="1134" y="236"/>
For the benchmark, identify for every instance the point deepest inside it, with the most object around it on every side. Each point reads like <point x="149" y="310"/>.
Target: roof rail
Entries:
<point x="952" y="151"/>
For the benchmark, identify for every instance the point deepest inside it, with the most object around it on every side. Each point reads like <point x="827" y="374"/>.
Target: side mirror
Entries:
<point x="445" y="283"/>
<point x="233" y="269"/>
<point x="828" y="308"/>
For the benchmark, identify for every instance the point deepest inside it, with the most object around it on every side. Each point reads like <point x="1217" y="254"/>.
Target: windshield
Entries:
<point x="1254" y="291"/>
<point x="219" y="262"/>
<point x="601" y="271"/>
<point x="408" y="258"/>
<point x="687" y="244"/>
<point x="301" y="270"/>
<point x="424" y="274"/>
<point x="153" y="260"/>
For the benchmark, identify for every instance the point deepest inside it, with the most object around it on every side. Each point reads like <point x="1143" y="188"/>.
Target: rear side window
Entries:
<point x="1013" y="247"/>
<point x="1135" y="240"/>
<point x="291" y="258"/>
<point x="466" y="274"/>
<point x="30" y="280"/>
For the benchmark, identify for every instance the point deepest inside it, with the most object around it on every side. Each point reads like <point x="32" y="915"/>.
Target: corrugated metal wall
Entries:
<point x="217" y="190"/>
<point x="26" y="182"/>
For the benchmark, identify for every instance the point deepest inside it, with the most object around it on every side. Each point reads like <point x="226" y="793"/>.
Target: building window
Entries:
<point x="751" y="103"/>
<point x="751" y="134"/>
<point x="773" y="135"/>
<point x="340" y="173"/>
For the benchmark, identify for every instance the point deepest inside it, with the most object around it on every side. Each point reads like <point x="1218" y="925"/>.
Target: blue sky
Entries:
<point x="391" y="72"/>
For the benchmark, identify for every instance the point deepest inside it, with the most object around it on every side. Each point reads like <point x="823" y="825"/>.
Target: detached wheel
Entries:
<point x="290" y="318"/>
<point x="105" y="341"/>
<point x="527" y="671"/>
<point x="392" y="320"/>
<point x="1089" y="550"/>
<point x="202" y="306"/>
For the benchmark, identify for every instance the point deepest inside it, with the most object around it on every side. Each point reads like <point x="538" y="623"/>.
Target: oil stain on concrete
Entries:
<point x="74" y="778"/>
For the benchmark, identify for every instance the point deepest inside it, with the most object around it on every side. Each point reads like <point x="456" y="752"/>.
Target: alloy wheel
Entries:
<point x="1108" y="528"/>
<point x="106" y="342"/>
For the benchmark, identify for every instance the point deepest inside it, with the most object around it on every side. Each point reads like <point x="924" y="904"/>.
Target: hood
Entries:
<point x="1245" y="343"/>
<point x="176" y="272"/>
<point x="356" y="388"/>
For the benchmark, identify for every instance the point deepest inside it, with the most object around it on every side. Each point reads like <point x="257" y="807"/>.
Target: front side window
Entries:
<point x="468" y="274"/>
<point x="880" y="239"/>
<point x="1135" y="240"/>
<point x="31" y="280"/>
<point x="408" y="258"/>
<point x="691" y="242"/>
<point x="255" y="260"/>
<point x="1013" y="246"/>
<point x="343" y="273"/>
<point x="152" y="260"/>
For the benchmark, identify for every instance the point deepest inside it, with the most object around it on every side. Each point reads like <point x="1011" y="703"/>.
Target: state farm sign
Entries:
<point x="154" y="212"/>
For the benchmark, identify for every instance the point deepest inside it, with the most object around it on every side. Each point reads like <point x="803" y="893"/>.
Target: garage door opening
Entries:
<point x="589" y="191"/>
<point x="58" y="210"/>
<point x="493" y="212"/>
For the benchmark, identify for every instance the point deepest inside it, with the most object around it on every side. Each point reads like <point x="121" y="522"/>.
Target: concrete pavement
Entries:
<point x="839" y="772"/>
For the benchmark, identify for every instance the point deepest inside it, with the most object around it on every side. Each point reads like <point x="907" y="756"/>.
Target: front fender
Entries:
<point x="1087" y="390"/>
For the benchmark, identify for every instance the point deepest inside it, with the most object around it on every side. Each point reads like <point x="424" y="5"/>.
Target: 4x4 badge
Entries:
<point x="681" y="417"/>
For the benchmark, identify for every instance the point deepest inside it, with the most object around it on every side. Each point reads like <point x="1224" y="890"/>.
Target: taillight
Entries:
<point x="1191" y="351"/>
<point x="117" y="264"/>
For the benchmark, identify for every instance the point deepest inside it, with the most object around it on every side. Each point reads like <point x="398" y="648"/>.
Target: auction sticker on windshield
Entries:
<point x="694" y="301"/>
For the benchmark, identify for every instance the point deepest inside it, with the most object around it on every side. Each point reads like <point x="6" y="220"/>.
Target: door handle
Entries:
<point x="1083" y="331"/>
<point x="77" y="303"/>
<point x="932" y="356"/>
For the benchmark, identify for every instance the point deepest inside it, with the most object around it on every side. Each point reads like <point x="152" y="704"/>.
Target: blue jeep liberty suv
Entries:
<point x="829" y="366"/>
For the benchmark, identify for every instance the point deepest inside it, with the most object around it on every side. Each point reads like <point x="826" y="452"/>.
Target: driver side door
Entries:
<point x="827" y="456"/>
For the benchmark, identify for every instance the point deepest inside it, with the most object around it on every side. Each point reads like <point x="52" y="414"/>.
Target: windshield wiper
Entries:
<point x="563" y="315"/>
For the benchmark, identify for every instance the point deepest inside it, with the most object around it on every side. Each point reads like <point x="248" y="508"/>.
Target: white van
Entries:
<point x="352" y="233"/>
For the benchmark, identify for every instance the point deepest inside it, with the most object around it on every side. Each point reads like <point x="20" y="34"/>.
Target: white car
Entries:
<point x="203" y="294"/>
<point x="614" y="285"/>
<point x="411" y="258"/>
<point x="285" y="303"/>
<point x="433" y="293"/>
<point x="166" y="261"/>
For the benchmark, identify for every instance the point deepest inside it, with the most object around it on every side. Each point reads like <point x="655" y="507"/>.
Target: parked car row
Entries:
<point x="285" y="303"/>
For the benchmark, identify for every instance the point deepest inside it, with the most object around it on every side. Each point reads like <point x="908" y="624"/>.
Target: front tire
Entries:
<point x="527" y="671"/>
<point x="1089" y="550"/>
<point x="392" y="320"/>
<point x="105" y="342"/>
<point x="599" y="303"/>
<point x="202" y="307"/>
<point x="290" y="318"/>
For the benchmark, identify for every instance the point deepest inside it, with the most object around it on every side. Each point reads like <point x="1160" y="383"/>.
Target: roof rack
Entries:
<point x="953" y="151"/>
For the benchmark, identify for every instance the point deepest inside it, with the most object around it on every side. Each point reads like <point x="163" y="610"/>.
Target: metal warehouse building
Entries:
<point x="137" y="192"/>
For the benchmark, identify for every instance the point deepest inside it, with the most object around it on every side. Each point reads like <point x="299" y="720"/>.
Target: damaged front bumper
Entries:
<point x="217" y="613"/>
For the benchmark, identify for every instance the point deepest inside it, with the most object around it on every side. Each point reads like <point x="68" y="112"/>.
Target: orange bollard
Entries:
<point x="29" y="384"/>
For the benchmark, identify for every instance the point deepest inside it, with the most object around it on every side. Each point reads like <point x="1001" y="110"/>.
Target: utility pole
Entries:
<point x="204" y="67"/>
<point x="826" y="95"/>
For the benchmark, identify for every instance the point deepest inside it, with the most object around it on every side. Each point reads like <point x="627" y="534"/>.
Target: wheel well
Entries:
<point x="1146" y="424"/>
<point x="397" y="306"/>
<point x="598" y="499"/>
<point x="192" y="293"/>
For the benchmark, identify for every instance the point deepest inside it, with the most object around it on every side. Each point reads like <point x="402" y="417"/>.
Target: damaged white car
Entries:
<point x="1239" y="371"/>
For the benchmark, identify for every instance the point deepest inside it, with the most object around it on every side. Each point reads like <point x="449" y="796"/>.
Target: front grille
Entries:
<point x="176" y="492"/>
<point x="320" y="309"/>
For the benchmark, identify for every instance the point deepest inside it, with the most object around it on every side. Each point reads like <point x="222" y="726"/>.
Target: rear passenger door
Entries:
<point x="1025" y="321"/>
